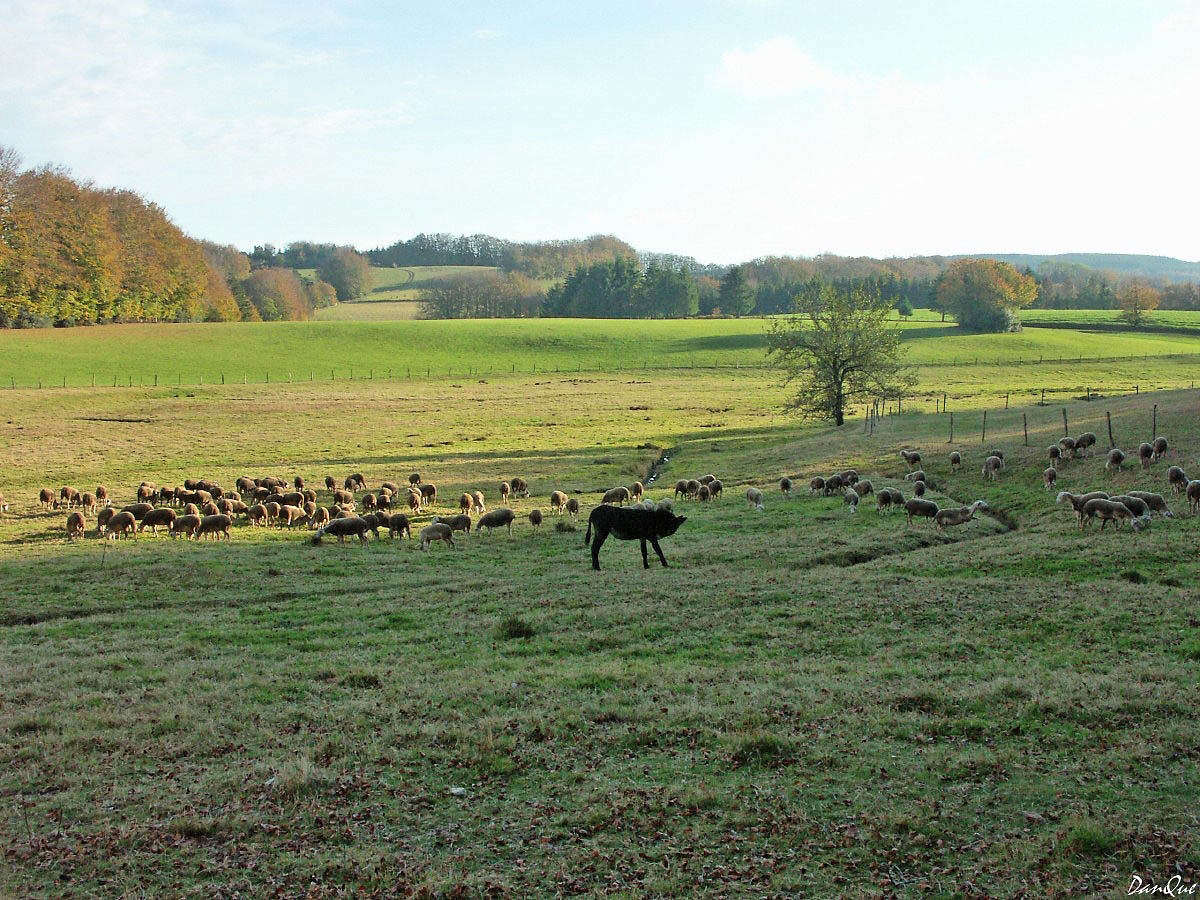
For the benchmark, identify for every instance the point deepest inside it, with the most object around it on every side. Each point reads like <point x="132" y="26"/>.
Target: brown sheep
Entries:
<point x="457" y="523"/>
<point x="992" y="466"/>
<point x="146" y="491"/>
<point x="46" y="498"/>
<point x="225" y="505"/>
<point x="785" y="485"/>
<point x="428" y="494"/>
<point x="102" y="495"/>
<point x="414" y="501"/>
<point x="834" y="485"/>
<point x="87" y="500"/>
<point x="186" y="526"/>
<point x="210" y="509"/>
<point x="918" y="508"/>
<point x="330" y="484"/>
<point x="558" y="501"/>
<point x="138" y="510"/>
<point x="245" y="485"/>
<point x="368" y="502"/>
<point x="707" y="479"/>
<point x="320" y="516"/>
<point x="1084" y="444"/>
<point x="310" y="496"/>
<point x="342" y="496"/>
<point x="390" y="486"/>
<point x="1177" y="479"/>
<point x="1192" y="492"/>
<point x="505" y="490"/>
<point x="573" y="507"/>
<point x="273" y="509"/>
<point x="620" y="495"/>
<point x="520" y="487"/>
<point x="1055" y="454"/>
<point x="122" y="524"/>
<point x="1068" y="447"/>
<point x="911" y="457"/>
<point x="1114" y="460"/>
<point x="918" y="489"/>
<point x="1000" y="455"/>
<point x="497" y="518"/>
<point x="438" y="531"/>
<point x="355" y="482"/>
<point x="681" y="488"/>
<point x="715" y="488"/>
<point x="166" y="495"/>
<point x="1145" y="453"/>
<point x="535" y="518"/>
<point x="864" y="487"/>
<point x="849" y="477"/>
<point x="414" y="478"/>
<point x="292" y="516"/>
<point x="164" y="516"/>
<point x="76" y="525"/>
<point x="102" y="519"/>
<point x="637" y="490"/>
<point x="704" y="494"/>
<point x="384" y="500"/>
<point x="816" y="485"/>
<point x="477" y="496"/>
<point x="918" y="475"/>
<point x="955" y="460"/>
<point x="298" y="481"/>
<point x="347" y="526"/>
<point x="68" y="497"/>
<point x="398" y="524"/>
<point x="1049" y="476"/>
<point x="1160" y="448"/>
<point x="466" y="502"/>
<point x="887" y="498"/>
<point x="191" y="509"/>
<point x="693" y="487"/>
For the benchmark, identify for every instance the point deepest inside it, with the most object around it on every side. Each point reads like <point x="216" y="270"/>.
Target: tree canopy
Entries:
<point x="837" y="349"/>
<point x="983" y="294"/>
<point x="1137" y="299"/>
<point x="348" y="272"/>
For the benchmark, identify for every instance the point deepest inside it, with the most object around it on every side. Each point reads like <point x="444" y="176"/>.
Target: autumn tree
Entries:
<point x="1137" y="299"/>
<point x="348" y="272"/>
<point x="983" y="294"/>
<point x="837" y="349"/>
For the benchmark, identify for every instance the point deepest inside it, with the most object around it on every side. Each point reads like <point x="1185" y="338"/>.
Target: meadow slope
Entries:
<point x="806" y="702"/>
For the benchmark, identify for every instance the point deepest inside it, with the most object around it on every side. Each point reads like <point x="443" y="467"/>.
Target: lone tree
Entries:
<point x="837" y="348"/>
<point x="984" y="294"/>
<point x="348" y="272"/>
<point x="1136" y="300"/>
<point x="737" y="294"/>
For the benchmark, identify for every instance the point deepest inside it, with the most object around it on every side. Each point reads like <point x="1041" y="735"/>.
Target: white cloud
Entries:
<point x="487" y="34"/>
<point x="776" y="67"/>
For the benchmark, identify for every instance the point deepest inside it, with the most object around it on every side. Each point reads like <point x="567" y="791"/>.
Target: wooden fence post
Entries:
<point x="951" y="441"/>
<point x="1006" y="401"/>
<point x="1111" y="442"/>
<point x="1025" y="425"/>
<point x="1042" y="402"/>
<point x="983" y="434"/>
<point x="1066" y="433"/>
<point x="1154" y="426"/>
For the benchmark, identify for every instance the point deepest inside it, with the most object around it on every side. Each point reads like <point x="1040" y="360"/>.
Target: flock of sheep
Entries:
<point x="201" y="508"/>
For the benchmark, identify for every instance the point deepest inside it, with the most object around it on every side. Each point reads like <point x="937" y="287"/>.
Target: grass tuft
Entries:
<point x="1090" y="839"/>
<point x="514" y="627"/>
<point x="362" y="680"/>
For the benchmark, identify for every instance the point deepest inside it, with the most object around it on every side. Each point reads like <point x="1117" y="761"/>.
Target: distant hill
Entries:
<point x="1164" y="267"/>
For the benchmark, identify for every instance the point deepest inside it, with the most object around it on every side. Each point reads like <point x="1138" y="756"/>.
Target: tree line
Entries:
<point x="538" y="259"/>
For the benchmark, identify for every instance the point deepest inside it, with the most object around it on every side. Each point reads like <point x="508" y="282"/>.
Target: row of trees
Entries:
<point x="267" y="294"/>
<point x="538" y="259"/>
<point x="620" y="288"/>
<point x="488" y="295"/>
<point x="71" y="253"/>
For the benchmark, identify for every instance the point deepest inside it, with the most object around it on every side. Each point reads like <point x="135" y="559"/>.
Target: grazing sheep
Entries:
<point x="76" y="525"/>
<point x="1078" y="501"/>
<point x="414" y="478"/>
<point x="1136" y="505"/>
<point x="375" y="521"/>
<point x="384" y="500"/>
<point x="850" y="498"/>
<point x="535" y="518"/>
<point x="704" y="494"/>
<point x="1160" y="448"/>
<point x="715" y="488"/>
<point x="992" y="466"/>
<point x="849" y="477"/>
<point x="707" y="479"/>
<point x="955" y="460"/>
<point x="191" y="509"/>
<point x="217" y="526"/>
<point x="637" y="490"/>
<point x="1084" y="444"/>
<point x="146" y="491"/>
<point x="558" y="501"/>
<point x="1109" y="511"/>
<point x="816" y="485"/>
<point x="355" y="482"/>
<point x="505" y="490"/>
<point x="438" y="531"/>
<point x="273" y="509"/>
<point x="185" y="525"/>
<point x="342" y="496"/>
<point x="310" y="496"/>
<point x="886" y="498"/>
<point x="246" y="485"/>
<point x="754" y="497"/>
<point x="1068" y="446"/>
<point x="693" y="487"/>
<point x="138" y="510"/>
<point x="211" y="509"/>
<point x="1192" y="490"/>
<point x="1177" y="479"/>
<point x="834" y="485"/>
<point x="390" y="486"/>
<point x="1156" y="502"/>
<point x="291" y="516"/>
<point x="102" y="495"/>
<point x="87" y="500"/>
<point x="414" y="501"/>
<point x="428" y="494"/>
<point x="164" y="516"/>
<point x="46" y="498"/>
<point x="310" y="509"/>
<point x="573" y="507"/>
<point x="918" y="475"/>
<point x="1114" y="460"/>
<point x="1145" y="453"/>
<point x="166" y="495"/>
<point x="1055" y="454"/>
<point x="368" y="502"/>
<point x="912" y="457"/>
<point x="1000" y="455"/>
<point x="347" y="526"/>
<point x="1049" y="476"/>
<point x="477" y="496"/>
<point x="121" y="525"/>
<point x="785" y="485"/>
<point x="916" y="507"/>
<point x="319" y="517"/>
<point x="618" y="495"/>
<point x="457" y="523"/>
<point x="957" y="516"/>
<point x="330" y="484"/>
<point x="681" y="488"/>
<point x="298" y="481"/>
<point x="68" y="497"/>
<point x="918" y="489"/>
<point x="864" y="487"/>
<point x="466" y="502"/>
<point x="398" y="524"/>
<point x="102" y="519"/>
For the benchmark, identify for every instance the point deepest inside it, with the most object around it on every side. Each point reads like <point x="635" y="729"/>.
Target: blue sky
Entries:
<point x="724" y="129"/>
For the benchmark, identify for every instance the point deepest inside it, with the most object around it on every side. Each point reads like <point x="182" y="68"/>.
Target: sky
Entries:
<point x="719" y="129"/>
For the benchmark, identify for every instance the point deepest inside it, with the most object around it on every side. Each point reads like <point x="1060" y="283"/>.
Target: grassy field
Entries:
<point x="807" y="703"/>
<point x="1084" y="317"/>
<point x="373" y="311"/>
<point x="388" y="284"/>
